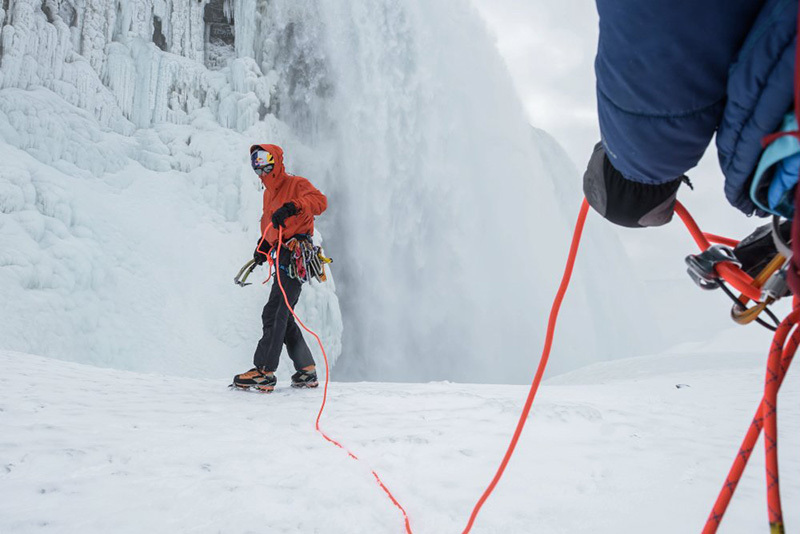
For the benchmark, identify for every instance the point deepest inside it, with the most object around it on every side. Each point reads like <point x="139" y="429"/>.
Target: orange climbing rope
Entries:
<point x="551" y="327"/>
<point x="780" y="358"/>
<point x="325" y="389"/>
<point x="781" y="355"/>
<point x="729" y="272"/>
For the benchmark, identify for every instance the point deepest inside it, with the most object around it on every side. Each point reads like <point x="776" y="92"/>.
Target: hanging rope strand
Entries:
<point x="781" y="352"/>
<point x="551" y="326"/>
<point x="785" y="354"/>
<point x="325" y="388"/>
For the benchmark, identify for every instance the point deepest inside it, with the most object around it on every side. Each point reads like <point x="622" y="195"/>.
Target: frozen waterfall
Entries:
<point x="126" y="203"/>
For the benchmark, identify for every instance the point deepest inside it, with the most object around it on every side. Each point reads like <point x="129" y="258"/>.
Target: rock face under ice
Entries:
<point x="128" y="205"/>
<point x="220" y="37"/>
<point x="113" y="62"/>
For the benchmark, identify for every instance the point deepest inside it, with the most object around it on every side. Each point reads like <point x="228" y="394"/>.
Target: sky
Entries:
<point x="549" y="48"/>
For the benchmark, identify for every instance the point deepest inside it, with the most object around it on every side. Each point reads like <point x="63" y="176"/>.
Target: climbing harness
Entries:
<point x="307" y="261"/>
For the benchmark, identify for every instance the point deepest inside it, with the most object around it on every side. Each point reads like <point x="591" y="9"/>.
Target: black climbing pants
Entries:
<point x="280" y="327"/>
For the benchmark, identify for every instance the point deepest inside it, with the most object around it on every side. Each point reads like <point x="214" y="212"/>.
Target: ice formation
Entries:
<point x="126" y="204"/>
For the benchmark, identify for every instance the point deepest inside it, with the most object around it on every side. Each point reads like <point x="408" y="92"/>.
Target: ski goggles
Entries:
<point x="262" y="161"/>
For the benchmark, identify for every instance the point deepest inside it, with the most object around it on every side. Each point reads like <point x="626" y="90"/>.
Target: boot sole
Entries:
<point x="301" y="385"/>
<point x="260" y="389"/>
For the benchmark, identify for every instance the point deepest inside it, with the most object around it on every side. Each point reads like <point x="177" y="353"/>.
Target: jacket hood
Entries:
<point x="272" y="180"/>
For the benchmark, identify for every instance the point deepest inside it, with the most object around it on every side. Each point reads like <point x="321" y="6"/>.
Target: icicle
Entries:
<point x="245" y="24"/>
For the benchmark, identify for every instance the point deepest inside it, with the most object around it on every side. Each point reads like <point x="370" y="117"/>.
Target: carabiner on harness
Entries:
<point x="307" y="261"/>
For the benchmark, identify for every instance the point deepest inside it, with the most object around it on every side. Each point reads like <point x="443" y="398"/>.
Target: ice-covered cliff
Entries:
<point x="126" y="204"/>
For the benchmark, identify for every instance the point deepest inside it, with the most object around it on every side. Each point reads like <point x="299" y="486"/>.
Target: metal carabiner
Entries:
<point x="776" y="287"/>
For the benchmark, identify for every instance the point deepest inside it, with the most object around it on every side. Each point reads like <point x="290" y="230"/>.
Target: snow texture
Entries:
<point x="608" y="449"/>
<point x="127" y="204"/>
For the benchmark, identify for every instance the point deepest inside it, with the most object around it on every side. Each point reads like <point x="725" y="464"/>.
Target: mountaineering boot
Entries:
<point x="256" y="378"/>
<point x="305" y="379"/>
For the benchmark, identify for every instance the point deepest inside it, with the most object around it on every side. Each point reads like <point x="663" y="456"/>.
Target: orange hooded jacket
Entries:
<point x="281" y="188"/>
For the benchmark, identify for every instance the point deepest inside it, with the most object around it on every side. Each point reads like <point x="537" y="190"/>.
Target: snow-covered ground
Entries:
<point x="612" y="448"/>
<point x="127" y="205"/>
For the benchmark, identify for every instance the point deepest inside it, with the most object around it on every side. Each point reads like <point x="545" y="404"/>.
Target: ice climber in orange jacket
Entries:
<point x="290" y="202"/>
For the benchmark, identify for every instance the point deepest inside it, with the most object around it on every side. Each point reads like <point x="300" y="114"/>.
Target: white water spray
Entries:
<point x="448" y="219"/>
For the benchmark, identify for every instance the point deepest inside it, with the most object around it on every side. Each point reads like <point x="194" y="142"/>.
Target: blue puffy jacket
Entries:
<point x="671" y="73"/>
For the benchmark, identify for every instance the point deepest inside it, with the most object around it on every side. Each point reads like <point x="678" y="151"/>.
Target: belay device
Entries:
<point x="764" y="255"/>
